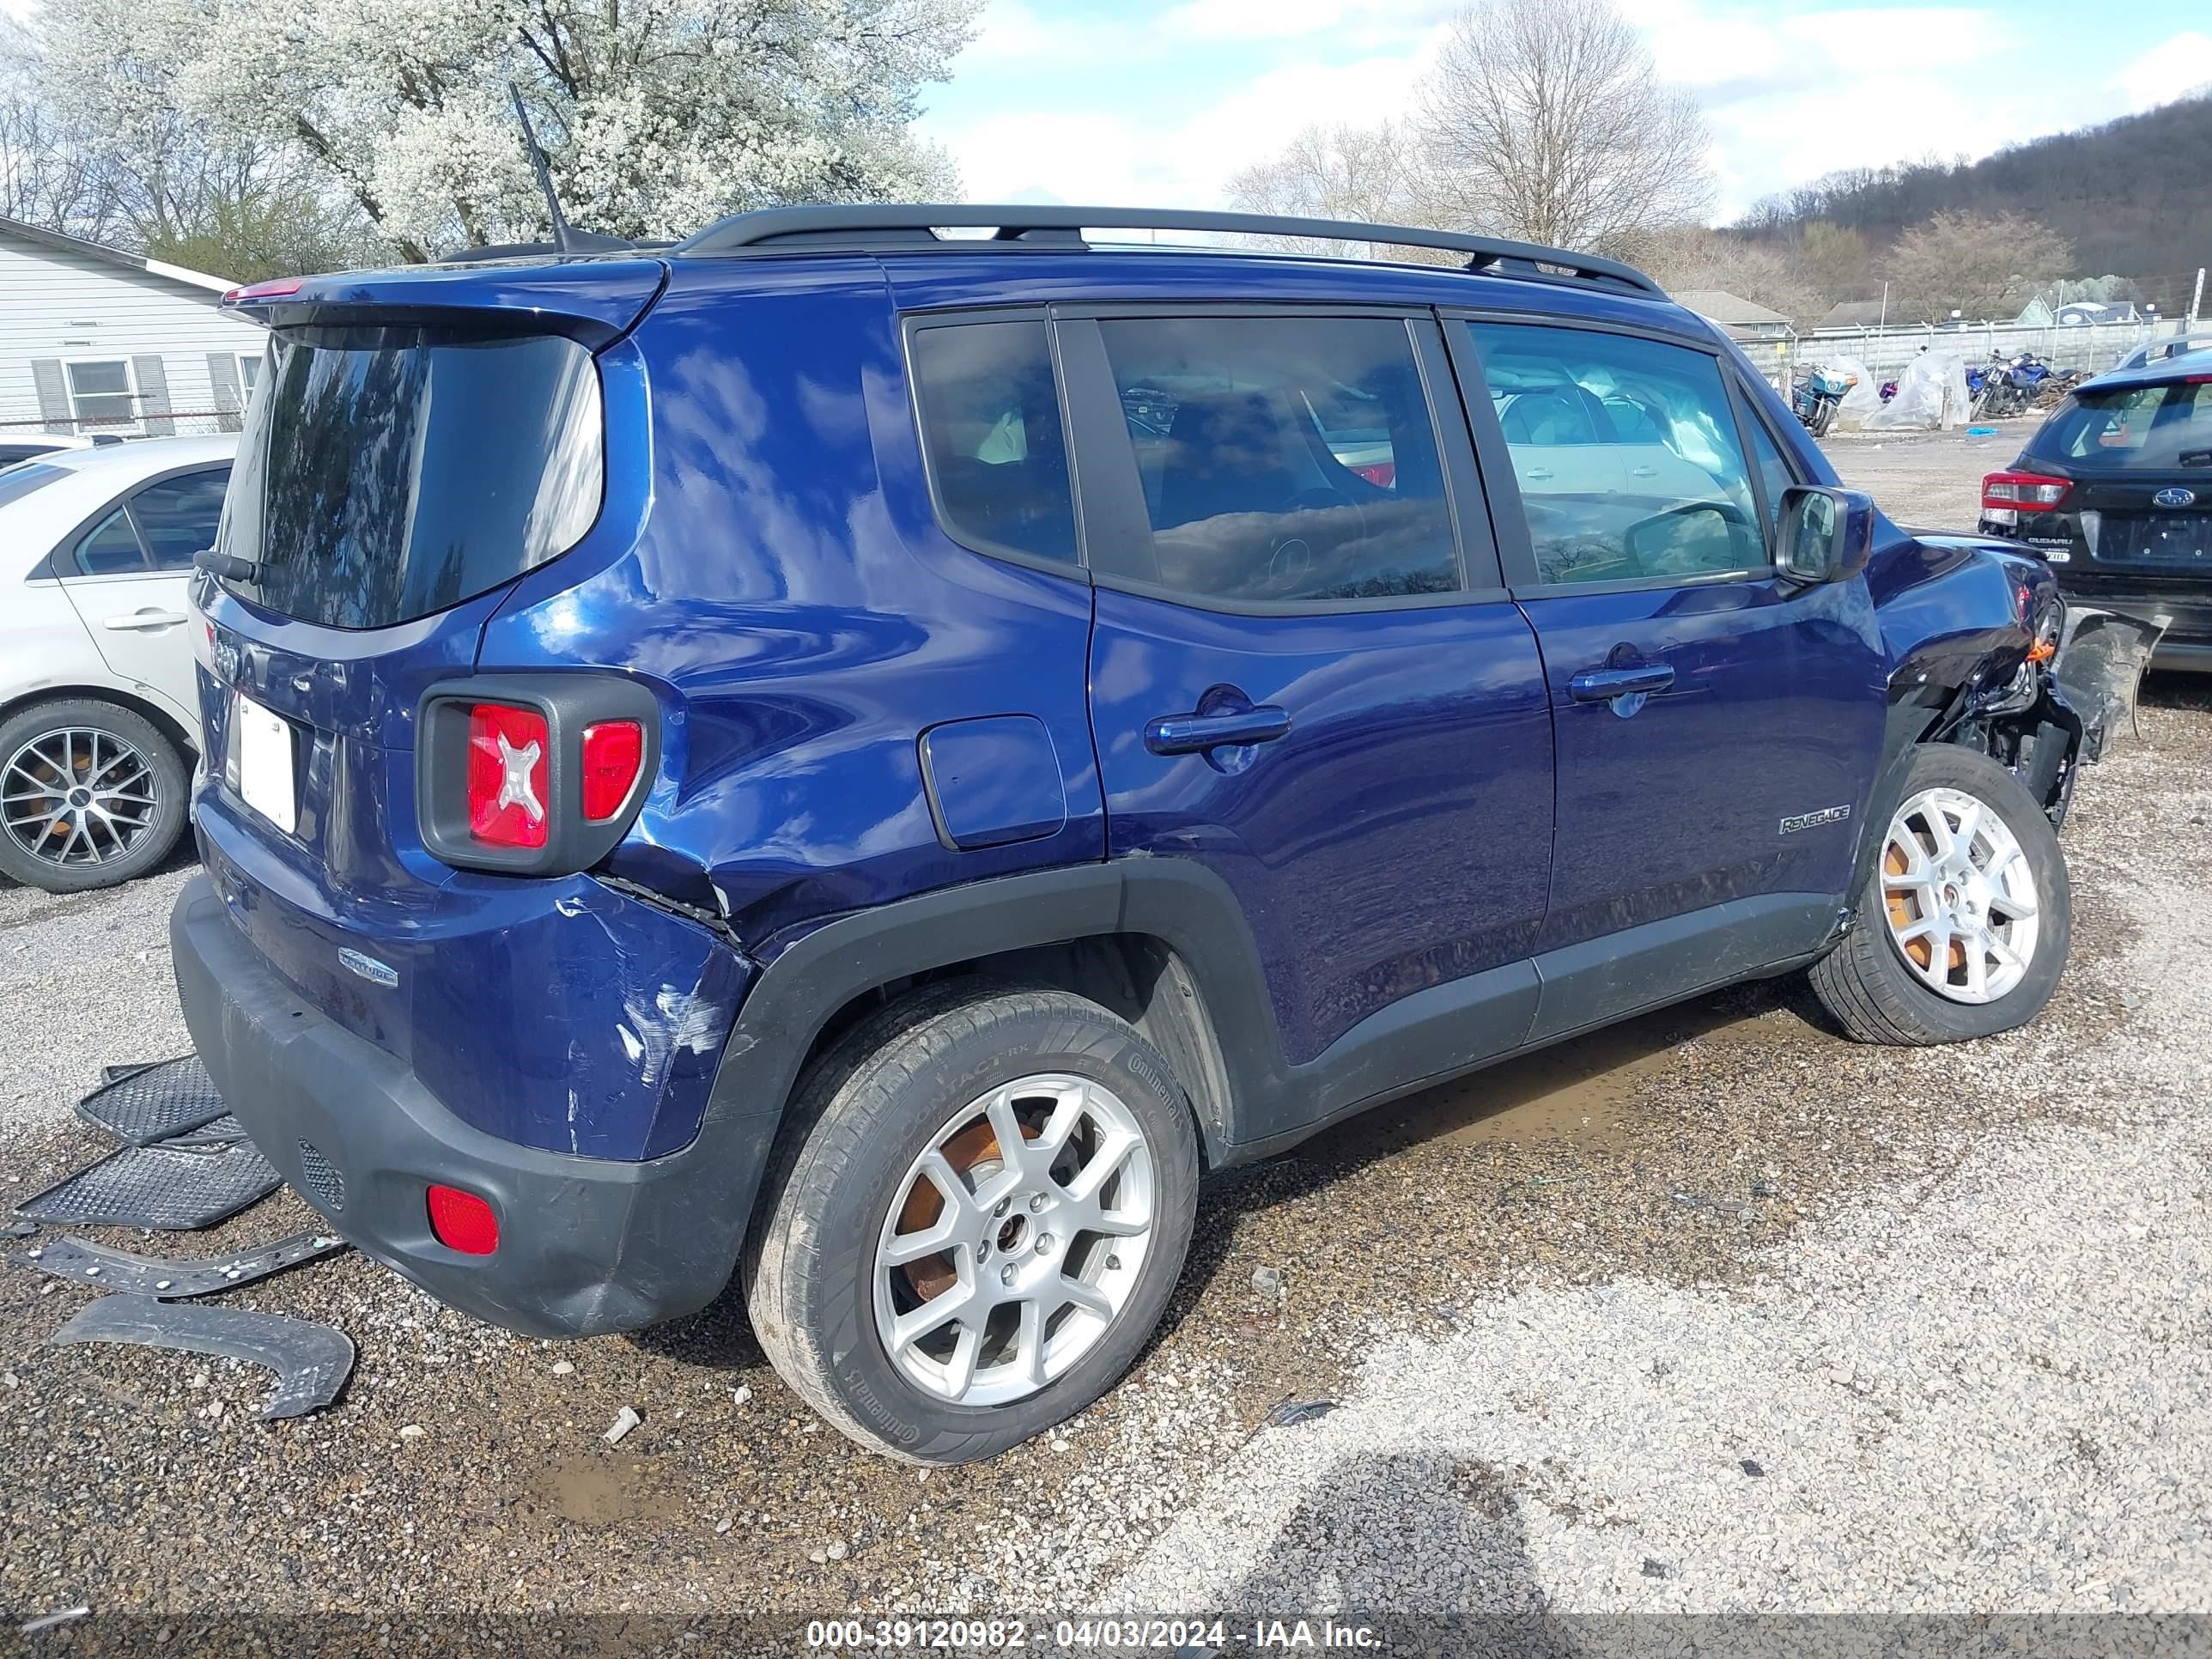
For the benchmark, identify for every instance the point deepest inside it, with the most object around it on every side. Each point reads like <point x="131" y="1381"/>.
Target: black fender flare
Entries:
<point x="1179" y="901"/>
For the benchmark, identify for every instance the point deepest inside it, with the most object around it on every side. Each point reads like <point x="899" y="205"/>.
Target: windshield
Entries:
<point x="2138" y="428"/>
<point x="388" y="473"/>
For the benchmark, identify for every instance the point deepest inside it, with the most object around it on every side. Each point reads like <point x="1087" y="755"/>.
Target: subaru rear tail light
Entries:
<point x="2006" y="496"/>
<point x="532" y="775"/>
<point x="508" y="774"/>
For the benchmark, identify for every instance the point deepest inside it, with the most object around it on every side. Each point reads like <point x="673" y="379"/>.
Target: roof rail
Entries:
<point x="894" y="225"/>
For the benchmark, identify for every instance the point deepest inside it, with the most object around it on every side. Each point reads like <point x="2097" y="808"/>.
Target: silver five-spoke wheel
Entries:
<point x="77" y="796"/>
<point x="1959" y="894"/>
<point x="1014" y="1240"/>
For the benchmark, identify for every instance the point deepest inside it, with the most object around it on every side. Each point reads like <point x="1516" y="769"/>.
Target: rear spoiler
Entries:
<point x="595" y="301"/>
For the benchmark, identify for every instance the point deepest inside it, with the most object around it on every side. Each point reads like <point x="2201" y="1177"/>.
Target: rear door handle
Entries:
<point x="145" y="620"/>
<point x="1604" y="685"/>
<point x="1193" y="734"/>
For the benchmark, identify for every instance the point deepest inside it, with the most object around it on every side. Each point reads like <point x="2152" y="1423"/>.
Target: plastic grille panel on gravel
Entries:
<point x="150" y="1104"/>
<point x="157" y="1186"/>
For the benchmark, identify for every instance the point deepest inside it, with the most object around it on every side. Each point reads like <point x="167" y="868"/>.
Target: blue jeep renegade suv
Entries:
<point x="865" y="762"/>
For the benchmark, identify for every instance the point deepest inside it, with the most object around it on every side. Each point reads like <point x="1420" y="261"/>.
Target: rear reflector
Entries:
<point x="613" y="751"/>
<point x="509" y="768"/>
<point x="462" y="1221"/>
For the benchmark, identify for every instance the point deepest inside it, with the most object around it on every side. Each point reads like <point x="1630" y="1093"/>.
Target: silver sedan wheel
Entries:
<point x="77" y="796"/>
<point x="1014" y="1240"/>
<point x="1960" y="895"/>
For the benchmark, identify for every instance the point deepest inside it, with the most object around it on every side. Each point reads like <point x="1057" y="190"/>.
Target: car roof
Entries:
<point x="2179" y="366"/>
<point x="120" y="463"/>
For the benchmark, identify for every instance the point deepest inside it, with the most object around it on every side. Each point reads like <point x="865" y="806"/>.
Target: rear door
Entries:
<point x="128" y="574"/>
<point x="1304" y="673"/>
<point x="1717" y="729"/>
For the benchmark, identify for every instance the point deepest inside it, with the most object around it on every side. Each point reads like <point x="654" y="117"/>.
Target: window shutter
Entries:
<point x="53" y="395"/>
<point x="153" y="378"/>
<point x="223" y="375"/>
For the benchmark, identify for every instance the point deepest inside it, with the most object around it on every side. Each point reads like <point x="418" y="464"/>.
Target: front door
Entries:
<point x="1304" y="673"/>
<point x="1717" y="728"/>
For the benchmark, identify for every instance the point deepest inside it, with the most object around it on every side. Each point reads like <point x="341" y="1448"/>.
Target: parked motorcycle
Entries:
<point x="1815" y="397"/>
<point x="1994" y="391"/>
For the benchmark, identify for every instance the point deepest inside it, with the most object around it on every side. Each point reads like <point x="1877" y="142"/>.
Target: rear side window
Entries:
<point x="109" y="548"/>
<point x="1625" y="453"/>
<point x="385" y="474"/>
<point x="178" y="517"/>
<point x="1284" y="459"/>
<point x="992" y="437"/>
<point x="2145" y="428"/>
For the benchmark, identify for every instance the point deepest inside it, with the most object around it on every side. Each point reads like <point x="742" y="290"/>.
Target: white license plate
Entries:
<point x="263" y="743"/>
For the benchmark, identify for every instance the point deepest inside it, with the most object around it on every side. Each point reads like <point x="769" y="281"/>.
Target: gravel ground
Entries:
<point x="1932" y="480"/>
<point x="1560" y="1306"/>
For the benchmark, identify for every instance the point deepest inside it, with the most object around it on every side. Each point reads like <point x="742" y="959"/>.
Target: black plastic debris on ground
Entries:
<point x="1291" y="1411"/>
<point x="166" y="1189"/>
<point x="312" y="1361"/>
<point x="174" y="1279"/>
<point x="141" y="1105"/>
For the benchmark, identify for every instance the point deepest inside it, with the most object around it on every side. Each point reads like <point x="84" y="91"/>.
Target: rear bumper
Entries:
<point x="586" y="1245"/>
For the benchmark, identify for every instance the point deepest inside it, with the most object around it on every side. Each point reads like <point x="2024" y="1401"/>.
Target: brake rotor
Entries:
<point x="974" y="1152"/>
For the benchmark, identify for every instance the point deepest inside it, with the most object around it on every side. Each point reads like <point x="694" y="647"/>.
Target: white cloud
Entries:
<point x="1118" y="157"/>
<point x="1361" y="23"/>
<point x="2168" y="70"/>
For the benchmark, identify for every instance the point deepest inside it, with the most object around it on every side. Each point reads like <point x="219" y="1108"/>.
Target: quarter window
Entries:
<point x="178" y="517"/>
<point x="1625" y="453"/>
<point x="1775" y="475"/>
<point x="1284" y="459"/>
<point x="991" y="435"/>
<point x="101" y="395"/>
<point x="110" y="547"/>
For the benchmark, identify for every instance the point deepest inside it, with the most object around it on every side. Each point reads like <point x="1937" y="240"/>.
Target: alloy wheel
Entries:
<point x="77" y="796"/>
<point x="1959" y="894"/>
<point x="1014" y="1240"/>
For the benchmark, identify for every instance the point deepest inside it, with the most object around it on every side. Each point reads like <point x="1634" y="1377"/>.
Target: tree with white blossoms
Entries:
<point x="657" y="116"/>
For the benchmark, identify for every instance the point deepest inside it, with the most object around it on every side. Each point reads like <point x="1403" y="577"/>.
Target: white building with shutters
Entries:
<point x="94" y="340"/>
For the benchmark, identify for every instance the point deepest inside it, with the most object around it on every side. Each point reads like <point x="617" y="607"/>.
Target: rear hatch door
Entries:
<point x="417" y="441"/>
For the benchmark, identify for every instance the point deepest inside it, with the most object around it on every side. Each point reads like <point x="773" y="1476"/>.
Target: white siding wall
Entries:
<point x="55" y="303"/>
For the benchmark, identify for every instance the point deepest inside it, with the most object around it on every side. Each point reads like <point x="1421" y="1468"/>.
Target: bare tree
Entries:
<point x="1546" y="119"/>
<point x="52" y="173"/>
<point x="1982" y="266"/>
<point x="1370" y="173"/>
<point x="1692" y="258"/>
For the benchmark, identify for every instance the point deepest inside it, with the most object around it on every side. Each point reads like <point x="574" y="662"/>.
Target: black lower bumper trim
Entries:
<point x="586" y="1245"/>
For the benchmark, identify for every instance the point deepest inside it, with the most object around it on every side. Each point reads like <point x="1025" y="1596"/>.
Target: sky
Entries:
<point x="1156" y="103"/>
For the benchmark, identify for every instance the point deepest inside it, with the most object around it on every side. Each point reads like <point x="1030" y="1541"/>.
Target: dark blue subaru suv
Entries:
<point x="865" y="762"/>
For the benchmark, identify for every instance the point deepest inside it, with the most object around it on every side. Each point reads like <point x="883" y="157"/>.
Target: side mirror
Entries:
<point x="1826" y="534"/>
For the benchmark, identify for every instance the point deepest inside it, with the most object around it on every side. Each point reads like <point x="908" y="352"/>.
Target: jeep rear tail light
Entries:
<point x="613" y="752"/>
<point x="462" y="1221"/>
<point x="510" y="769"/>
<point x="2006" y="496"/>
<point x="533" y="774"/>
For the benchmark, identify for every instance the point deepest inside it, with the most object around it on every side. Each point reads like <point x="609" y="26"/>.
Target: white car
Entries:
<point x="98" y="709"/>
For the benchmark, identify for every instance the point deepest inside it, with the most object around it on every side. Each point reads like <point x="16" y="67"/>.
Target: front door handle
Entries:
<point x="145" y="620"/>
<point x="1193" y="734"/>
<point x="1604" y="685"/>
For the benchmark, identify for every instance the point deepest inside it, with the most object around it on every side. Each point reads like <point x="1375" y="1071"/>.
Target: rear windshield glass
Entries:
<point x="2140" y="429"/>
<point x="24" y="477"/>
<point x="387" y="473"/>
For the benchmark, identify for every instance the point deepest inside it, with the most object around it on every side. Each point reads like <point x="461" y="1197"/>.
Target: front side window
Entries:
<point x="1284" y="459"/>
<point x="992" y="438"/>
<point x="1625" y="453"/>
<point x="100" y="394"/>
